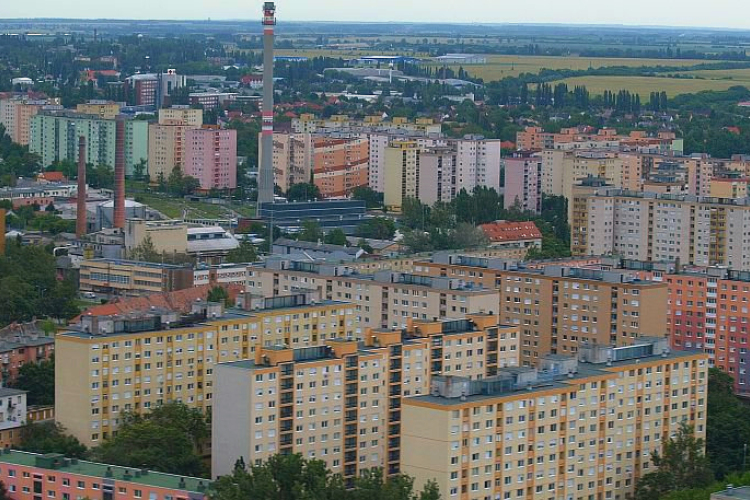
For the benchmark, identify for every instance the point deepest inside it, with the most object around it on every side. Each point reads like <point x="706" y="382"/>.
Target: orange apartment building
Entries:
<point x="557" y="307"/>
<point x="30" y="476"/>
<point x="340" y="165"/>
<point x="708" y="309"/>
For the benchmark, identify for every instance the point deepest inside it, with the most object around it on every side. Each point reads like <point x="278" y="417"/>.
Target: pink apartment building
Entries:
<point x="29" y="476"/>
<point x="211" y="157"/>
<point x="523" y="182"/>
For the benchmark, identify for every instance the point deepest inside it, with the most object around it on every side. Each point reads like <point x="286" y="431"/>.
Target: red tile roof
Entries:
<point x="506" y="231"/>
<point x="51" y="176"/>
<point x="180" y="301"/>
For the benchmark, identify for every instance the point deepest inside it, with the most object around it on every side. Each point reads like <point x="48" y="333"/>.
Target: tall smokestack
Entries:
<point x="81" y="207"/>
<point x="119" y="212"/>
<point x="266" y="180"/>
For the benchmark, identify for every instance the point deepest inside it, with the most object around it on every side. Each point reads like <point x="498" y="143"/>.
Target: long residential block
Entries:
<point x="578" y="428"/>
<point x="558" y="307"/>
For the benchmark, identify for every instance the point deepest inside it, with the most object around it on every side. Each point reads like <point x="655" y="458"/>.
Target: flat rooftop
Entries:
<point x="132" y="263"/>
<point x="229" y="315"/>
<point x="585" y="370"/>
<point x="92" y="469"/>
<point x="741" y="493"/>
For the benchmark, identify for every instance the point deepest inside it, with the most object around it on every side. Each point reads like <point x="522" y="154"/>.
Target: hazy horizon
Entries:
<point x="668" y="13"/>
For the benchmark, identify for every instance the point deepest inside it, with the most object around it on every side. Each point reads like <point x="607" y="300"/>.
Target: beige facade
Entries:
<point x="122" y="277"/>
<point x="15" y="116"/>
<point x="104" y="110"/>
<point x="590" y="434"/>
<point x="135" y="363"/>
<point x="191" y="117"/>
<point x="292" y="158"/>
<point x="434" y="170"/>
<point x="308" y="123"/>
<point x="169" y="236"/>
<point x="166" y="149"/>
<point x="557" y="307"/>
<point x="654" y="227"/>
<point x="341" y="403"/>
<point x="167" y="140"/>
<point x="728" y="188"/>
<point x="385" y="299"/>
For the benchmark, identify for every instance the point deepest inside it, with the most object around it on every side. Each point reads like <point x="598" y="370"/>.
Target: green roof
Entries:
<point x="59" y="463"/>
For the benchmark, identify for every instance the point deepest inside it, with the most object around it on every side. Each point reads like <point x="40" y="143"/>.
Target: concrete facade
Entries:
<point x="332" y="403"/>
<point x="211" y="157"/>
<point x="543" y="435"/>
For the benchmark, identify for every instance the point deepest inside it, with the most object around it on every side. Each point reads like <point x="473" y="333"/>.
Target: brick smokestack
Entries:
<point x="81" y="206"/>
<point x="266" y="176"/>
<point x="119" y="212"/>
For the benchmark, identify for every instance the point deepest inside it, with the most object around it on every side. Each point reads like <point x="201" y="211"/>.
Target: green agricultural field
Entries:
<point x="499" y="67"/>
<point x="644" y="85"/>
<point x="738" y="75"/>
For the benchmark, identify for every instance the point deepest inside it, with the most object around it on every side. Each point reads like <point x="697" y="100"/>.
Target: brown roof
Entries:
<point x="179" y="301"/>
<point x="505" y="231"/>
<point x="52" y="176"/>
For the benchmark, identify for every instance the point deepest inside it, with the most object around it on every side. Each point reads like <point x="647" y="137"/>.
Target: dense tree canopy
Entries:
<point x="246" y="252"/>
<point x="336" y="237"/>
<point x="448" y="226"/>
<point x="29" y="286"/>
<point x="681" y="465"/>
<point x="379" y="228"/>
<point x="170" y="438"/>
<point x="372" y="198"/>
<point x="291" y="477"/>
<point x="728" y="425"/>
<point x="39" y="380"/>
<point x="303" y="191"/>
<point x="50" y="437"/>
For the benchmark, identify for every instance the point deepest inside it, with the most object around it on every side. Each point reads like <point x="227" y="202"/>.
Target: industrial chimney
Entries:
<point x="119" y="204"/>
<point x="81" y="206"/>
<point x="266" y="178"/>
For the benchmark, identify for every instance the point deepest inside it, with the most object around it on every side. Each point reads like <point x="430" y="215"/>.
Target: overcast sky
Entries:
<point x="707" y="13"/>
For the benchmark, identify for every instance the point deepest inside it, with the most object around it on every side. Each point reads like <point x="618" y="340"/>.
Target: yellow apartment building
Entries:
<point x="136" y="362"/>
<point x="341" y="403"/>
<point x="580" y="428"/>
<point x="401" y="171"/>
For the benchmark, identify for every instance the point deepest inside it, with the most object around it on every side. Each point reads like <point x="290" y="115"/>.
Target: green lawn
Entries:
<point x="173" y="207"/>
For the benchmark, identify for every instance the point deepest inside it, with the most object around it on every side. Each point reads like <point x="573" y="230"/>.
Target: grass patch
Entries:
<point x="174" y="207"/>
